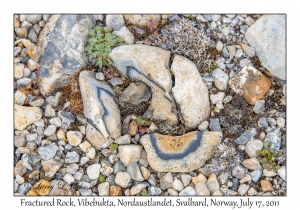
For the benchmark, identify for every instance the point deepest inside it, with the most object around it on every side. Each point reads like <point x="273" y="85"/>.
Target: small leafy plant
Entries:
<point x="153" y="29"/>
<point x="101" y="178"/>
<point x="101" y="42"/>
<point x="143" y="125"/>
<point x="145" y="193"/>
<point x="211" y="65"/>
<point x="113" y="147"/>
<point x="268" y="158"/>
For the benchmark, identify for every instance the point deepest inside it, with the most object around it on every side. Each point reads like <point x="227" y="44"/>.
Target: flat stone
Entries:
<point x="148" y="65"/>
<point x="243" y="189"/>
<point x="21" y="32"/>
<point x="125" y="34"/>
<point x="244" y="138"/>
<point x="252" y="146"/>
<point x="50" y="130"/>
<point x="172" y="192"/>
<point x="231" y="49"/>
<point x="135" y="172"/>
<point x="137" y="189"/>
<point x="188" y="191"/>
<point x="268" y="37"/>
<point x="55" y="121"/>
<point x="84" y="160"/>
<point x="130" y="153"/>
<point x="72" y="157"/>
<point x="19" y="70"/>
<point x="74" y="137"/>
<point x="20" y="98"/>
<point x="190" y="92"/>
<point x="123" y="179"/>
<point x="99" y="106"/>
<point x="25" y="116"/>
<point x="166" y="181"/>
<point x="115" y="81"/>
<point x="199" y="178"/>
<point x="51" y="167"/>
<point x="115" y="22"/>
<point x="221" y="79"/>
<point x="72" y="168"/>
<point x="229" y="192"/>
<point x="255" y="175"/>
<point x="59" y="187"/>
<point x="93" y="171"/>
<point x="90" y="153"/>
<point x="48" y="152"/>
<point x="219" y="46"/>
<point x="238" y="172"/>
<point x="145" y="172"/>
<point x="203" y="126"/>
<point x="263" y="122"/>
<point x="142" y="20"/>
<point x="251" y="84"/>
<point x="282" y="172"/>
<point x="266" y="186"/>
<point x="201" y="189"/>
<point x="115" y="190"/>
<point x="49" y="111"/>
<point x="180" y="153"/>
<point x="60" y="49"/>
<point x="177" y="185"/>
<point x="154" y="191"/>
<point x="103" y="189"/>
<point x="19" y="141"/>
<point x="34" y="18"/>
<point x="186" y="179"/>
<point x="215" y="98"/>
<point x="252" y="191"/>
<point x="280" y="121"/>
<point x="68" y="178"/>
<point x="259" y="106"/>
<point x="235" y="184"/>
<point x="269" y="173"/>
<point x="212" y="183"/>
<point x="214" y="125"/>
<point x="95" y="137"/>
<point x="85" y="146"/>
<point x="135" y="93"/>
<point x="251" y="164"/>
<point x="126" y="139"/>
<point x="100" y="76"/>
<point x="275" y="139"/>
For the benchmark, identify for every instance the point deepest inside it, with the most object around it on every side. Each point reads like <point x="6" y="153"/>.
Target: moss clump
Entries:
<point x="183" y="38"/>
<point x="268" y="158"/>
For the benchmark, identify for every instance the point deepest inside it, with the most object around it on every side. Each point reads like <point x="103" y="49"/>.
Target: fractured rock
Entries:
<point x="180" y="153"/>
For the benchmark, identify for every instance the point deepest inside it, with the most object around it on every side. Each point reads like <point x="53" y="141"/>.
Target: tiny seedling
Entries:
<point x="268" y="158"/>
<point x="101" y="178"/>
<point x="113" y="147"/>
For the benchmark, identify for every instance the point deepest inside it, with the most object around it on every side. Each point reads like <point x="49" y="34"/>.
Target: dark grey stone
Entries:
<point x="214" y="125"/>
<point x="135" y="93"/>
<point x="235" y="184"/>
<point x="246" y="136"/>
<point x="119" y="167"/>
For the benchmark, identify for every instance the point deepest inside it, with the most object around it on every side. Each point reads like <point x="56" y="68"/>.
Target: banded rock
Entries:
<point x="99" y="106"/>
<point x="180" y="153"/>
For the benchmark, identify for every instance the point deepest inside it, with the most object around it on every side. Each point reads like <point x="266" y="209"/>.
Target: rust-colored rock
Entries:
<point x="133" y="128"/>
<point x="115" y="190"/>
<point x="266" y="186"/>
<point x="42" y="187"/>
<point x="32" y="193"/>
<point x="251" y="84"/>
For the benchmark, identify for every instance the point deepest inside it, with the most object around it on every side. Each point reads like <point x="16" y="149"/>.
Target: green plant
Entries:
<point x="211" y="65"/>
<point x="145" y="193"/>
<point x="268" y="158"/>
<point x="171" y="71"/>
<point x="140" y="121"/>
<point x="113" y="147"/>
<point x="101" y="178"/>
<point x="101" y="42"/>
